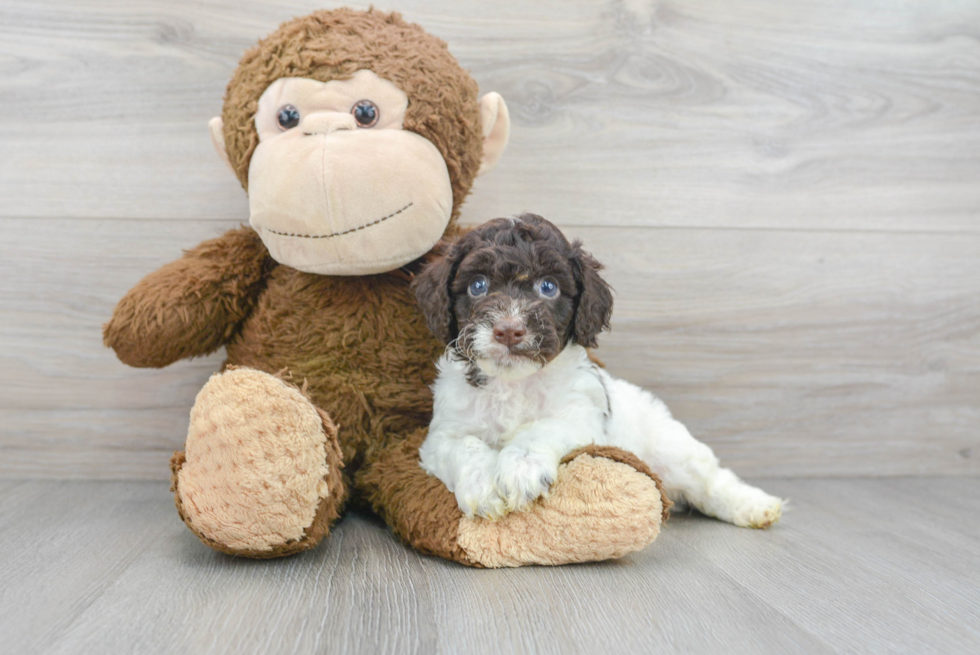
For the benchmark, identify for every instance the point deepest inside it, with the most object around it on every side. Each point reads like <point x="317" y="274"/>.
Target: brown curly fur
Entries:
<point x="333" y="45"/>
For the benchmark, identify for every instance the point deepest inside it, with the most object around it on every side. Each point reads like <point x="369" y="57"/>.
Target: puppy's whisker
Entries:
<point x="465" y="341"/>
<point x="453" y="348"/>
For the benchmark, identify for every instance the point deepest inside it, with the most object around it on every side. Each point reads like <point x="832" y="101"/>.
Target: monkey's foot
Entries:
<point x="260" y="472"/>
<point x="604" y="504"/>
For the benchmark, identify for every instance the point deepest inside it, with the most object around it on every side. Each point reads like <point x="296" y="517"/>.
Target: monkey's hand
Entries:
<point x="192" y="306"/>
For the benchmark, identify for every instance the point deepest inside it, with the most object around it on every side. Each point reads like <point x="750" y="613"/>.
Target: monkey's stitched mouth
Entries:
<point x="339" y="234"/>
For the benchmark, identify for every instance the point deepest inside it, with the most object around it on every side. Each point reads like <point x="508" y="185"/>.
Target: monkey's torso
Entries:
<point x="360" y="345"/>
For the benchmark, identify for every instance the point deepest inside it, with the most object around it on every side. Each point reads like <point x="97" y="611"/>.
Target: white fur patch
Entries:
<point x="498" y="445"/>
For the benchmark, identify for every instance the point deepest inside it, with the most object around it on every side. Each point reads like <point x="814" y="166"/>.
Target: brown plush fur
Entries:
<point x="333" y="45"/>
<point x="416" y="505"/>
<point x="358" y="346"/>
<point x="358" y="343"/>
<point x="193" y="306"/>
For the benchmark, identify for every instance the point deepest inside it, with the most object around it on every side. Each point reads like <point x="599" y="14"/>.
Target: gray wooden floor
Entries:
<point x="884" y="565"/>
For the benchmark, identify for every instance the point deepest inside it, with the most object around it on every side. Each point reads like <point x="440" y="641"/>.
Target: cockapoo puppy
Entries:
<point x="518" y="305"/>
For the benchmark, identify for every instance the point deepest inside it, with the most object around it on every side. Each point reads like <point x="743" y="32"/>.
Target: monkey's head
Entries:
<point x="357" y="136"/>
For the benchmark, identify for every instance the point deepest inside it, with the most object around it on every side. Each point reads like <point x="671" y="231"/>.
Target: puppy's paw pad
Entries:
<point x="479" y="498"/>
<point x="524" y="476"/>
<point x="759" y="512"/>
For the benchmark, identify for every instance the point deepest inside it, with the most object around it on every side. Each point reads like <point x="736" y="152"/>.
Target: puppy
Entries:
<point x="518" y="305"/>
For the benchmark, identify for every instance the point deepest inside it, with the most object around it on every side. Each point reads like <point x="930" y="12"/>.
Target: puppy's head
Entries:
<point x="511" y="294"/>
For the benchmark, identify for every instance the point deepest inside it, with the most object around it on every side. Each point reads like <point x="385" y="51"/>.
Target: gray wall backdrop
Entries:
<point x="786" y="195"/>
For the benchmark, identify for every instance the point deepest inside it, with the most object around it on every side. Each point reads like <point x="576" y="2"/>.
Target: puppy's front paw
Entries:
<point x="757" y="510"/>
<point x="476" y="496"/>
<point x="523" y="475"/>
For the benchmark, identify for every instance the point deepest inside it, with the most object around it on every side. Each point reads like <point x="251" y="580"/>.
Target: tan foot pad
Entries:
<point x="254" y="477"/>
<point x="598" y="509"/>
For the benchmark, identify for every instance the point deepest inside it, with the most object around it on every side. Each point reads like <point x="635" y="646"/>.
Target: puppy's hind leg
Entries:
<point x="718" y="492"/>
<point x="689" y="469"/>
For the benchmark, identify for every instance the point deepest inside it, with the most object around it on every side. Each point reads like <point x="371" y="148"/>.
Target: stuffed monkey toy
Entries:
<point x="356" y="136"/>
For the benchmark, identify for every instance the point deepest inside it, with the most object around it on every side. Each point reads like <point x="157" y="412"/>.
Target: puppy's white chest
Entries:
<point x="568" y="390"/>
<point x="507" y="407"/>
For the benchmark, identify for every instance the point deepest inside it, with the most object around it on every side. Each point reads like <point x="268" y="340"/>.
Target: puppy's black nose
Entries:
<point x="508" y="332"/>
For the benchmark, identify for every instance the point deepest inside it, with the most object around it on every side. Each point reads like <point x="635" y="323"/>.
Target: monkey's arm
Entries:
<point x="192" y="306"/>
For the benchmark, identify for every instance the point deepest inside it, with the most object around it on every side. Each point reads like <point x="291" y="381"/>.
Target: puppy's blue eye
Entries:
<point x="478" y="286"/>
<point x="548" y="288"/>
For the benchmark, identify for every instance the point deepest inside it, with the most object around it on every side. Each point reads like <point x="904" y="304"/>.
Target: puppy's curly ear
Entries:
<point x="593" y="305"/>
<point x="432" y="291"/>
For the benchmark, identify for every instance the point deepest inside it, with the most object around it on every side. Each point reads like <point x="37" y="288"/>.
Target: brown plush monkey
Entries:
<point x="357" y="136"/>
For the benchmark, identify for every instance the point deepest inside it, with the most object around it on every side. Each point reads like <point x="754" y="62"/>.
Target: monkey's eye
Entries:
<point x="547" y="288"/>
<point x="288" y="117"/>
<point x="366" y="113"/>
<point x="478" y="287"/>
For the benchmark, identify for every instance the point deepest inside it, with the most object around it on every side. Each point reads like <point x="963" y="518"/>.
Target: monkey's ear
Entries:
<point x="496" y="129"/>
<point x="432" y="292"/>
<point x="595" y="301"/>
<point x="217" y="129"/>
